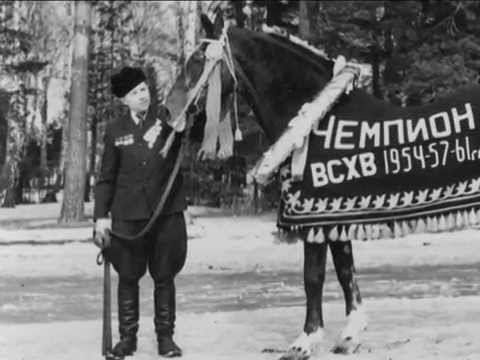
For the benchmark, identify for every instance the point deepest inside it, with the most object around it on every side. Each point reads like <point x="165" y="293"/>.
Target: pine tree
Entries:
<point x="16" y="45"/>
<point x="75" y="169"/>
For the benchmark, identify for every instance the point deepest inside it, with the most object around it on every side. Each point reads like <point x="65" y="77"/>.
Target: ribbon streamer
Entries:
<point x="208" y="148"/>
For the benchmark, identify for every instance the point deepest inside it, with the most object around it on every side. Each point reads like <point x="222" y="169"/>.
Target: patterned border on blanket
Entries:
<point x="364" y="180"/>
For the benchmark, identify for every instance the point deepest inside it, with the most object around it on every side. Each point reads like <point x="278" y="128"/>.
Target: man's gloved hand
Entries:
<point x="101" y="229"/>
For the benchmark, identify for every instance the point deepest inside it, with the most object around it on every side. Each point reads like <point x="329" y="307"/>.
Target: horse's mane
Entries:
<point x="325" y="61"/>
<point x="294" y="40"/>
<point x="319" y="54"/>
<point x="321" y="62"/>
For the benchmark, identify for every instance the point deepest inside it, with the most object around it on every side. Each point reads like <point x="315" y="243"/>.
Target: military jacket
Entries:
<point x="133" y="174"/>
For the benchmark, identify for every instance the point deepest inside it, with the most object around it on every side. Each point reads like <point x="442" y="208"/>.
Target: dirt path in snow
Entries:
<point x="74" y="298"/>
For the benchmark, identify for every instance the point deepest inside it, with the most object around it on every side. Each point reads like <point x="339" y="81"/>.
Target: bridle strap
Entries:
<point x="249" y="88"/>
<point x="193" y="95"/>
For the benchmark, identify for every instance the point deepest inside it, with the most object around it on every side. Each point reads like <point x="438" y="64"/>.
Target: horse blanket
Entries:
<point x="371" y="164"/>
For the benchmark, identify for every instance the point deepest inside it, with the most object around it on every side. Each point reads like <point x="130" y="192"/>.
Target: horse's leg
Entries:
<point x="314" y="275"/>
<point x="356" y="318"/>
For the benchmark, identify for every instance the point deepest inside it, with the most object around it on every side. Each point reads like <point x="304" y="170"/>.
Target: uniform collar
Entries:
<point x="135" y="118"/>
<point x="135" y="122"/>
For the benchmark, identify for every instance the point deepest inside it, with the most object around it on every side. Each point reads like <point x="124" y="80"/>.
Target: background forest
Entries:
<point x="419" y="51"/>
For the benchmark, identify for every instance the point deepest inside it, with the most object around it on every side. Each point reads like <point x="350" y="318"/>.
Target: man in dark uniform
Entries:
<point x="132" y="180"/>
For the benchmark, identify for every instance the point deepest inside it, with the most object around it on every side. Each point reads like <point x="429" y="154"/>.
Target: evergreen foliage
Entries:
<point x="419" y="50"/>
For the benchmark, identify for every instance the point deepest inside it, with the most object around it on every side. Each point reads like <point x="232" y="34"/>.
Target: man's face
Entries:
<point x="137" y="99"/>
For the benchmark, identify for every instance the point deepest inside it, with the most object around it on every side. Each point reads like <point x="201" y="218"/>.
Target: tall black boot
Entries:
<point x="128" y="314"/>
<point x="164" y="298"/>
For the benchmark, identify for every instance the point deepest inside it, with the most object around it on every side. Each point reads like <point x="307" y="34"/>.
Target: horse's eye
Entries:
<point x="192" y="109"/>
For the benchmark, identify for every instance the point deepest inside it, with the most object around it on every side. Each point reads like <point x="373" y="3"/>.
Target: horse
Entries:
<point x="276" y="78"/>
<point x="285" y="93"/>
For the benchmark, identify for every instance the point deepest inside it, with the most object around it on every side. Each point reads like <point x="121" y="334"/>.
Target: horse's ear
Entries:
<point x="218" y="23"/>
<point x="207" y="26"/>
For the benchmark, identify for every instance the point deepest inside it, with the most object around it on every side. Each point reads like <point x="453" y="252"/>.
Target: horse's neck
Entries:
<point x="276" y="94"/>
<point x="280" y="77"/>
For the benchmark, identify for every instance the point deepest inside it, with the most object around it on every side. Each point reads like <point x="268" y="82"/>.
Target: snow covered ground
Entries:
<point x="440" y="328"/>
<point x="428" y="326"/>
<point x="218" y="243"/>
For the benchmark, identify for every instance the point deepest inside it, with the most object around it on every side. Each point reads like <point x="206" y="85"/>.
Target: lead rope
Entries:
<point x="161" y="202"/>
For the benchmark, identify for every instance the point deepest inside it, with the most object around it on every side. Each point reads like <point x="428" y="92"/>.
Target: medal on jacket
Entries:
<point x="124" y="140"/>
<point x="151" y="135"/>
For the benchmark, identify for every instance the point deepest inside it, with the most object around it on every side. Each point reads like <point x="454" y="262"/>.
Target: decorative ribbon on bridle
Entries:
<point x="215" y="130"/>
<point x="213" y="108"/>
<point x="218" y="128"/>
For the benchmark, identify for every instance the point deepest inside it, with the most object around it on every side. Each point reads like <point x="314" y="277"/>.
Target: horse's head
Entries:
<point x="275" y="76"/>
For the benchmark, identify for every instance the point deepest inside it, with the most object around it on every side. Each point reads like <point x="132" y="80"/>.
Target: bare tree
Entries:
<point x="75" y="167"/>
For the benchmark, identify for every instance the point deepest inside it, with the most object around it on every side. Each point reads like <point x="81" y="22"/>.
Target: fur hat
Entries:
<point x="125" y="80"/>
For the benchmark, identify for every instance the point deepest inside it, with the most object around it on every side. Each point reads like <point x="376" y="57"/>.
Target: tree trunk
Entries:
<point x="45" y="171"/>
<point x="191" y="27"/>
<point x="4" y="102"/>
<point x="180" y="37"/>
<point x="198" y="23"/>
<point x="307" y="11"/>
<point x="93" y="155"/>
<point x="15" y="141"/>
<point x="75" y="170"/>
<point x="43" y="114"/>
<point x="274" y="13"/>
<point x="238" y="11"/>
<point x="10" y="175"/>
<point x="63" y="156"/>
<point x="375" y="62"/>
<point x="303" y="20"/>
<point x="255" y="198"/>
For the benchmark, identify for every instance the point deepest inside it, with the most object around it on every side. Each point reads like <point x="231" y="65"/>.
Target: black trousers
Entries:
<point x="163" y="251"/>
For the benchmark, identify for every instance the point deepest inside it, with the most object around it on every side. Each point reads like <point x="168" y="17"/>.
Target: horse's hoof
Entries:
<point x="303" y="346"/>
<point x="298" y="354"/>
<point x="349" y="339"/>
<point x="347" y="345"/>
<point x="110" y="356"/>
